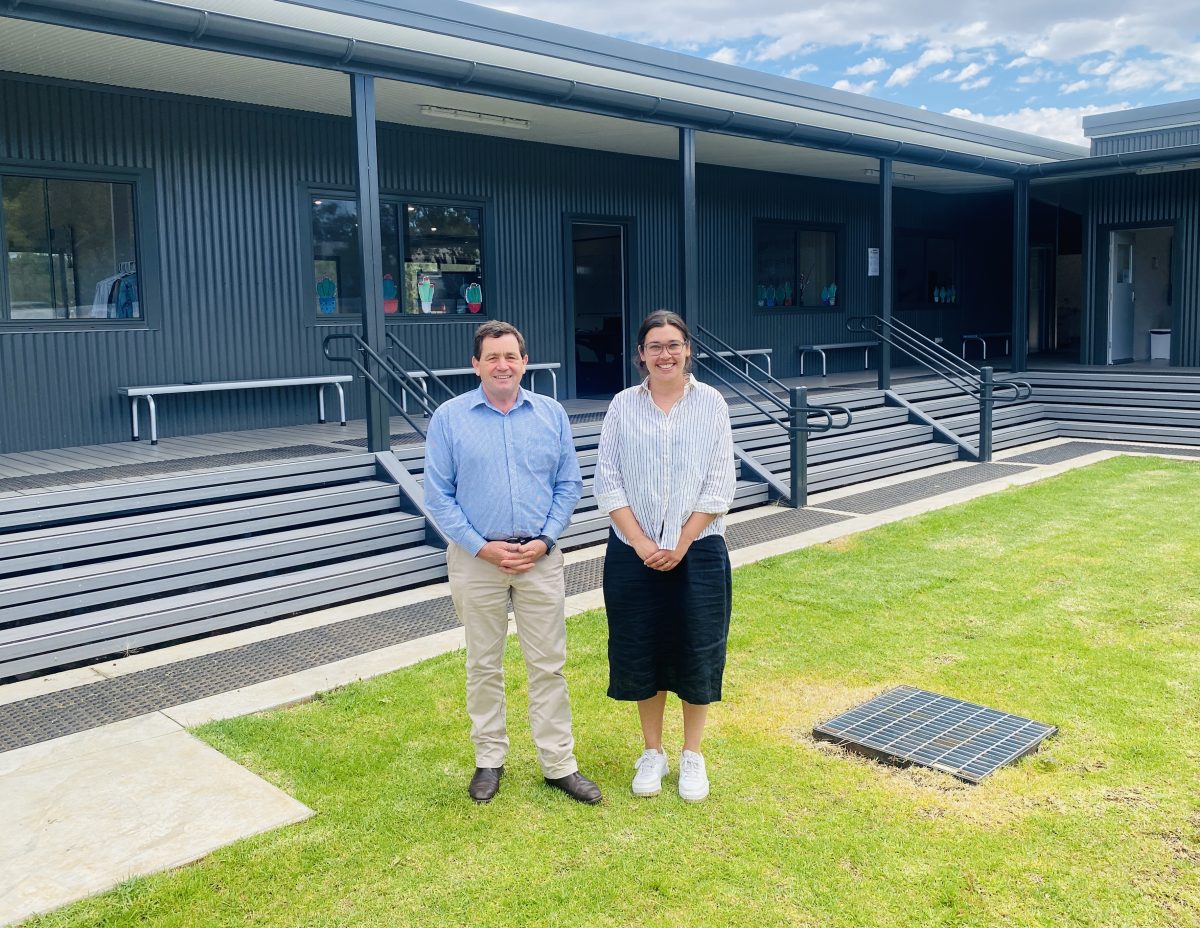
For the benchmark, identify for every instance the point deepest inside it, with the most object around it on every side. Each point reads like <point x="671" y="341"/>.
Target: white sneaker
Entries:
<point x="651" y="768"/>
<point x="693" y="781"/>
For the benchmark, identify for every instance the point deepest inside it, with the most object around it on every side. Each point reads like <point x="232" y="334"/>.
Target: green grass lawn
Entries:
<point x="1075" y="601"/>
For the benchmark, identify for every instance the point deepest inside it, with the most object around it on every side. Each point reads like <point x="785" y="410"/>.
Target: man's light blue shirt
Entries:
<point x="490" y="476"/>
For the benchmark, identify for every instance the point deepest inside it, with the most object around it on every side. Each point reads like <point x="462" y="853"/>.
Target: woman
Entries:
<point x="665" y="476"/>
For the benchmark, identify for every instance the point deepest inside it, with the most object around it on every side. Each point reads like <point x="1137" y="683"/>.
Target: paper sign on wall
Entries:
<point x="872" y="262"/>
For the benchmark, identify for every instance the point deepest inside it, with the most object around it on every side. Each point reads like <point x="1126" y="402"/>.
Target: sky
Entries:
<point x="1035" y="66"/>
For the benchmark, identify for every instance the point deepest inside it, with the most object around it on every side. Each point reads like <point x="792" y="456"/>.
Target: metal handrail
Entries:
<point x="388" y="366"/>
<point x="827" y="411"/>
<point x="796" y="425"/>
<point x="393" y="341"/>
<point x="975" y="382"/>
<point x="925" y="351"/>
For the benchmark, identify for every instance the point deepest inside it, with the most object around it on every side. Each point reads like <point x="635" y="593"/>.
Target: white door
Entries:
<point x="1120" y="297"/>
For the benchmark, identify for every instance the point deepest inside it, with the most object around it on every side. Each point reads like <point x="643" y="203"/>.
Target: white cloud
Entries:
<point x="934" y="54"/>
<point x="1062" y="123"/>
<point x="868" y="67"/>
<point x="1135" y="75"/>
<point x="967" y="73"/>
<point x="976" y="84"/>
<point x="802" y="69"/>
<point x="864" y="87"/>
<point x="1144" y="50"/>
<point x="1075" y="86"/>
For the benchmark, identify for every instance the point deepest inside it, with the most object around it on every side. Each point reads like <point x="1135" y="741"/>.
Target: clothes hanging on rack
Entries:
<point x="116" y="297"/>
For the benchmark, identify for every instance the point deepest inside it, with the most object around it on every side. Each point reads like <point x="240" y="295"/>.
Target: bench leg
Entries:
<point x="553" y="383"/>
<point x="866" y="358"/>
<point x="153" y="419"/>
<point x="824" y="369"/>
<point x="133" y="401"/>
<point x="321" y="403"/>
<point x="341" y="402"/>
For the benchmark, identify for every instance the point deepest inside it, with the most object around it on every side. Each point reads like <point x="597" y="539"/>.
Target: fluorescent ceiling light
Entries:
<point x="1168" y="168"/>
<point x="489" y="119"/>
<point x="896" y="175"/>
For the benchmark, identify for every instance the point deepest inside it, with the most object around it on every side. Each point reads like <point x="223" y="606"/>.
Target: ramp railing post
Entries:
<point x="798" y="440"/>
<point x="985" y="414"/>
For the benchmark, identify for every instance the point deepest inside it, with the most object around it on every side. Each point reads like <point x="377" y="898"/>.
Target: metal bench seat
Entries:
<point x="149" y="393"/>
<point x="831" y="346"/>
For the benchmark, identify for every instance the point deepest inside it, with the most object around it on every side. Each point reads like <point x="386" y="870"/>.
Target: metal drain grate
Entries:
<point x="587" y="417"/>
<point x="1077" y="449"/>
<point x="906" y="725"/>
<point x="922" y="488"/>
<point x="158" y="468"/>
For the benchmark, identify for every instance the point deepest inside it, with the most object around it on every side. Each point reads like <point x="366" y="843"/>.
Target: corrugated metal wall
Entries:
<point x="1145" y="141"/>
<point x="230" y="185"/>
<point x="730" y="202"/>
<point x="1167" y="199"/>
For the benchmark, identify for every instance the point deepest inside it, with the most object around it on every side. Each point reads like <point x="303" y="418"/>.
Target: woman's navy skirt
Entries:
<point x="667" y="629"/>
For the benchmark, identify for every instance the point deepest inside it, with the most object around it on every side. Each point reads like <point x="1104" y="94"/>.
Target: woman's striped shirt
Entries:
<point x="665" y="466"/>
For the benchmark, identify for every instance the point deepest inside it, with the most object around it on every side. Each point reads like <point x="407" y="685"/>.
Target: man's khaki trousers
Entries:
<point x="481" y="594"/>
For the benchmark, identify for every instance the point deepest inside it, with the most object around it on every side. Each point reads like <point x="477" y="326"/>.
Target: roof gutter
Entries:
<point x="1099" y="165"/>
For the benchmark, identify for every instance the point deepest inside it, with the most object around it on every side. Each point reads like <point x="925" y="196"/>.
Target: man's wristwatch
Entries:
<point x="547" y="541"/>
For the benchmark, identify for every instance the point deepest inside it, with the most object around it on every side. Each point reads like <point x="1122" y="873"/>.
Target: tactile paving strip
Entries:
<point x="158" y="468"/>
<point x="910" y="491"/>
<point x="80" y="708"/>
<point x="1077" y="449"/>
<point x="404" y="438"/>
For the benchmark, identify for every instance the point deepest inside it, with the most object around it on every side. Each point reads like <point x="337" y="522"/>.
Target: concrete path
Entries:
<point x="82" y="813"/>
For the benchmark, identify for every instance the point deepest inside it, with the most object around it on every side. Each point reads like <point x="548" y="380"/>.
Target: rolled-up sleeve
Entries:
<point x="441" y="482"/>
<point x="609" y="486"/>
<point x="720" y="481"/>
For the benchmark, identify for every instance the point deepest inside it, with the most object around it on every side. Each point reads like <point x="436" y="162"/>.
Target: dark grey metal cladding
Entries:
<point x="230" y="186"/>
<point x="730" y="202"/>
<point x="1167" y="199"/>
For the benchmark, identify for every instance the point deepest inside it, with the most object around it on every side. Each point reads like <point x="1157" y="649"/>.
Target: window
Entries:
<point x="432" y="258"/>
<point x="795" y="266"/>
<point x="70" y="250"/>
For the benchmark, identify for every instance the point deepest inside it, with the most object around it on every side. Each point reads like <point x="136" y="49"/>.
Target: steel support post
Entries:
<point x="689" y="236"/>
<point x="885" y="268"/>
<point x="985" y="414"/>
<point x="1020" y="278"/>
<point x="798" y="441"/>
<point x="362" y="99"/>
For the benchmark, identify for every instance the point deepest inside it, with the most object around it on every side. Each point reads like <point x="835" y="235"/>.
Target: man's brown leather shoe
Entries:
<point x="485" y="783"/>
<point x="578" y="787"/>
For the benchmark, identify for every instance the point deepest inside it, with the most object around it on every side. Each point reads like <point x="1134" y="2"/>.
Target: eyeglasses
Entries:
<point x="657" y="348"/>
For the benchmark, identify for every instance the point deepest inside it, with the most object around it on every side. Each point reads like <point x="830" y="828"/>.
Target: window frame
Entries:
<point x="145" y="230"/>
<point x="399" y="198"/>
<point x="838" y="230"/>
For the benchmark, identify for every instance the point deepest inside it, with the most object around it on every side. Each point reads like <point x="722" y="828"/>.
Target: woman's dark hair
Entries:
<point x="656" y="320"/>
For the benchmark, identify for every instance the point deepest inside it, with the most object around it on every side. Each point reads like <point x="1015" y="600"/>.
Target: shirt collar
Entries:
<point x="688" y="385"/>
<point x="480" y="399"/>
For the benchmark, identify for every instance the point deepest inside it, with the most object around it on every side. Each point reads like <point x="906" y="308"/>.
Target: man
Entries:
<point x="501" y="482"/>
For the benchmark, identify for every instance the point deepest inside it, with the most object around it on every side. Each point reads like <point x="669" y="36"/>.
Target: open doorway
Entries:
<point x="598" y="282"/>
<point x="1139" y="294"/>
